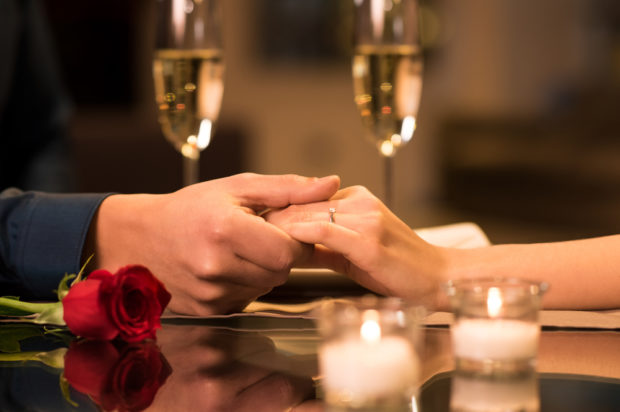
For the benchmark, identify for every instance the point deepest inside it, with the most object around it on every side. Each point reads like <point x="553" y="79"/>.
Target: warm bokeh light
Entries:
<point x="376" y="15"/>
<point x="387" y="148"/>
<point x="204" y="134"/>
<point x="407" y="128"/>
<point x="179" y="18"/>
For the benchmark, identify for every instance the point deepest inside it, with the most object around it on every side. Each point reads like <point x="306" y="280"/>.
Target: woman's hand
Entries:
<point x="368" y="243"/>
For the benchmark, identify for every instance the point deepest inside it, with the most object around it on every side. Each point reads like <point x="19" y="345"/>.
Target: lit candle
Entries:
<point x="369" y="366"/>
<point x="495" y="338"/>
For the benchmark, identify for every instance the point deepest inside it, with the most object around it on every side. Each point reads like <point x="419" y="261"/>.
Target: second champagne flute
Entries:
<point x="387" y="75"/>
<point x="188" y="70"/>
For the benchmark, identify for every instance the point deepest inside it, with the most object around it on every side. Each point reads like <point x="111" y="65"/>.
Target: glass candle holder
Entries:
<point x="496" y="329"/>
<point x="369" y="354"/>
<point x="474" y="394"/>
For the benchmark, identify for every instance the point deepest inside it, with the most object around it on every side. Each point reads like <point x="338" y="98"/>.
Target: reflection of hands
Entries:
<point x="219" y="370"/>
<point x="367" y="242"/>
<point x="207" y="242"/>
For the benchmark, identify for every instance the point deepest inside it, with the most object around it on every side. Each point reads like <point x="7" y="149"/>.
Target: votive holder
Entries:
<point x="369" y="354"/>
<point x="480" y="394"/>
<point x="496" y="329"/>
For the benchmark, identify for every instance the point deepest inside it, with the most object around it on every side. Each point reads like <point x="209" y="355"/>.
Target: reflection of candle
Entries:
<point x="497" y="339"/>
<point x="477" y="395"/>
<point x="369" y="366"/>
<point x="494" y="302"/>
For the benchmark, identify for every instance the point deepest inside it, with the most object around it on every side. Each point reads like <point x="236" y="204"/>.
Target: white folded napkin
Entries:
<point x="460" y="235"/>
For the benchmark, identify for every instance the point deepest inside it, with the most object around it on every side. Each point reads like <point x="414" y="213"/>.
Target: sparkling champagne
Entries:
<point x="387" y="82"/>
<point x="188" y="90"/>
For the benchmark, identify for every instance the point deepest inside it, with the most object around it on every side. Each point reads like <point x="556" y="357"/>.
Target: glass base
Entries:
<point x="493" y="409"/>
<point x="505" y="368"/>
<point x="489" y="394"/>
<point x="395" y="403"/>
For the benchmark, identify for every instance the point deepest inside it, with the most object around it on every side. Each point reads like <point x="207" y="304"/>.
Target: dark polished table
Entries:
<point x="264" y="364"/>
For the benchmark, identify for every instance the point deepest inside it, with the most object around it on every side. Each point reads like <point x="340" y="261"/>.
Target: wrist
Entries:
<point x="120" y="226"/>
<point x="455" y="266"/>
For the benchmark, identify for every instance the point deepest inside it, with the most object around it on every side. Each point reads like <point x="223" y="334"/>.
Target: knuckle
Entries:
<point x="209" y="269"/>
<point x="295" y="178"/>
<point x="218" y="233"/>
<point x="324" y="230"/>
<point x="371" y="203"/>
<point x="283" y="261"/>
<point x="220" y="228"/>
<point x="244" y="179"/>
<point x="360" y="190"/>
<point x="247" y="176"/>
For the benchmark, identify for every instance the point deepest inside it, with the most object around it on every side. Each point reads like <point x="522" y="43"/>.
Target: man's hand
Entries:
<point x="207" y="242"/>
<point x="223" y="370"/>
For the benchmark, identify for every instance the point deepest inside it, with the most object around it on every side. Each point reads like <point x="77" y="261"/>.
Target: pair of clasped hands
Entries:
<point x="220" y="244"/>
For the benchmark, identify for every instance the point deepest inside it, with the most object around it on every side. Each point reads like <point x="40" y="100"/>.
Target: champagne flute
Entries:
<point x="188" y="71"/>
<point x="387" y="75"/>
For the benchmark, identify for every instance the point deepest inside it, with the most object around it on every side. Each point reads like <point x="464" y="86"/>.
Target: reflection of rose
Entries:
<point x="104" y="305"/>
<point x="122" y="378"/>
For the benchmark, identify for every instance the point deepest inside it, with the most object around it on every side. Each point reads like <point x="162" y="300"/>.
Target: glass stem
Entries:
<point x="387" y="175"/>
<point x="190" y="169"/>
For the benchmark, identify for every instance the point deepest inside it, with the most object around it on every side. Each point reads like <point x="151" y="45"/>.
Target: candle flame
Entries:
<point x="370" y="330"/>
<point x="494" y="302"/>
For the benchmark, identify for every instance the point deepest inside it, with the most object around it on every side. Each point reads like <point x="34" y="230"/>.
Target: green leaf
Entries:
<point x="63" y="286"/>
<point x="62" y="334"/>
<point x="65" y="389"/>
<point x="79" y="276"/>
<point x="54" y="359"/>
<point x="12" y="335"/>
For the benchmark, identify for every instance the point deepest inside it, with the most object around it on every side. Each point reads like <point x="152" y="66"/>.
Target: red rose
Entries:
<point x="124" y="378"/>
<point x="128" y="303"/>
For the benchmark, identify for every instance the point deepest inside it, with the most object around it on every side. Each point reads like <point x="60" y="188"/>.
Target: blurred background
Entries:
<point x="518" y="131"/>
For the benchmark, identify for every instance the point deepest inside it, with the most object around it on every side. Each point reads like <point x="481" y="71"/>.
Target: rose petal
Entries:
<point x="84" y="312"/>
<point x="135" y="300"/>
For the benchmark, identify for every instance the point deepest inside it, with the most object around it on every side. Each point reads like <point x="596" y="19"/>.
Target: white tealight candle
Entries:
<point x="495" y="339"/>
<point x="360" y="369"/>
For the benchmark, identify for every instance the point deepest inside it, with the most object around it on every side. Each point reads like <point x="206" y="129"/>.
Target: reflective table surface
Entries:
<point x="267" y="364"/>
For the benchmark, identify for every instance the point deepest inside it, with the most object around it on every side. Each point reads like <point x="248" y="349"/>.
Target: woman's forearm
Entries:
<point x="582" y="274"/>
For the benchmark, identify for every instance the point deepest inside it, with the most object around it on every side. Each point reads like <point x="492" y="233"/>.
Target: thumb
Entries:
<point x="276" y="191"/>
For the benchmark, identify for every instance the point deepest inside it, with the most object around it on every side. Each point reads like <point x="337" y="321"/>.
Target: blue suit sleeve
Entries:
<point x="41" y="238"/>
